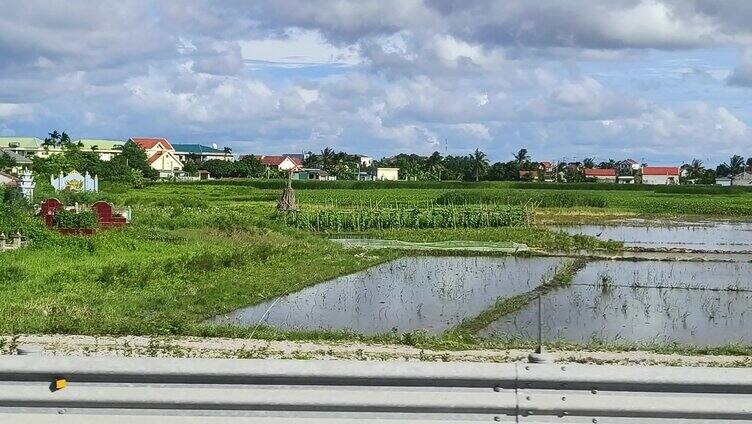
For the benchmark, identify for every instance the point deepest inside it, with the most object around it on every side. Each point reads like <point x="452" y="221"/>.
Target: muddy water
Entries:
<point x="412" y="293"/>
<point x="704" y="236"/>
<point x="684" y="302"/>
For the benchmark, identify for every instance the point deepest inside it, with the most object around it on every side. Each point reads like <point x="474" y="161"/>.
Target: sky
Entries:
<point x="660" y="81"/>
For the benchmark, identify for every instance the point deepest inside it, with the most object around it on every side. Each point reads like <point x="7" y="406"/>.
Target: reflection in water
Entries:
<point x="707" y="236"/>
<point x="685" y="302"/>
<point x="412" y="293"/>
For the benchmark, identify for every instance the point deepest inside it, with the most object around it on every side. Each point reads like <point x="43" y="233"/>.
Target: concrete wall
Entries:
<point x="660" y="179"/>
<point x="388" y="174"/>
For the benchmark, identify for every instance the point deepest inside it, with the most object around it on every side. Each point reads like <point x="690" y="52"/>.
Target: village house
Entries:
<point x="313" y="174"/>
<point x="160" y="155"/>
<point x="548" y="171"/>
<point x="742" y="179"/>
<point x="24" y="146"/>
<point x="32" y="146"/>
<point x="381" y="174"/>
<point x="627" y="166"/>
<point x="8" y="180"/>
<point x="529" y="175"/>
<point x="282" y="163"/>
<point x="723" y="181"/>
<point x="660" y="175"/>
<point x="202" y="153"/>
<point x="601" y="175"/>
<point x="365" y="161"/>
<point x="107" y="149"/>
<point x="21" y="161"/>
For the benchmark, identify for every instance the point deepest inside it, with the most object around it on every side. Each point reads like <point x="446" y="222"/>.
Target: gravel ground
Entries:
<point x="139" y="346"/>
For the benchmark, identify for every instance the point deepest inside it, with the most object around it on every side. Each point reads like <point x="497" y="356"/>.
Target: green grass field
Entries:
<point x="197" y="250"/>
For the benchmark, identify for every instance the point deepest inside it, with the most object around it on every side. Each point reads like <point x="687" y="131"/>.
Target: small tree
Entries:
<point x="6" y="162"/>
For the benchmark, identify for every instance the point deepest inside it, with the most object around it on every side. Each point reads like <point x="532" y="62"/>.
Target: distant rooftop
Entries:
<point x="20" y="159"/>
<point x="22" y="142"/>
<point x="101" y="144"/>
<point x="195" y="148"/>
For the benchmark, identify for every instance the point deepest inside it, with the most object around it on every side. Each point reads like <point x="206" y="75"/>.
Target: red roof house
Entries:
<point x="148" y="143"/>
<point x="284" y="163"/>
<point x="601" y="174"/>
<point x="160" y="153"/>
<point x="661" y="170"/>
<point x="660" y="175"/>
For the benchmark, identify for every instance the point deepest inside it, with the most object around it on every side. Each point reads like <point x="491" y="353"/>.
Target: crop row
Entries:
<point x="360" y="219"/>
<point x="546" y="199"/>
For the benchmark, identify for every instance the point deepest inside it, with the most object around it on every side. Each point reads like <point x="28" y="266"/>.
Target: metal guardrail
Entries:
<point x="120" y="390"/>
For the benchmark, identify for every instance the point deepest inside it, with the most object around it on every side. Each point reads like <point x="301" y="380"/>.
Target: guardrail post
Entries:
<point x="539" y="356"/>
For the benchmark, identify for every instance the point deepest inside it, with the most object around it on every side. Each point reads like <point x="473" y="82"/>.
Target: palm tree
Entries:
<point x="479" y="163"/>
<point x="434" y="164"/>
<point x="521" y="157"/>
<point x="327" y="159"/>
<point x="696" y="169"/>
<point x="749" y="164"/>
<point x="736" y="165"/>
<point x="588" y="163"/>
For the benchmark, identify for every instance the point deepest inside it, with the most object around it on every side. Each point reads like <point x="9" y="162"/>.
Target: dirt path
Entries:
<point x="248" y="348"/>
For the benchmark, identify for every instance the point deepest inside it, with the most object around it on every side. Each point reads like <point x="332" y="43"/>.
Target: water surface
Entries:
<point x="684" y="302"/>
<point x="702" y="236"/>
<point x="408" y="294"/>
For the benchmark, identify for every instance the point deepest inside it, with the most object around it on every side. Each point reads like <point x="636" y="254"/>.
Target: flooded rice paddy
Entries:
<point x="661" y="302"/>
<point x="701" y="236"/>
<point x="686" y="282"/>
<point x="408" y="294"/>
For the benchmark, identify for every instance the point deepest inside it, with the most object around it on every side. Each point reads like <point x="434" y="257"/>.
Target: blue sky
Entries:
<point x="663" y="80"/>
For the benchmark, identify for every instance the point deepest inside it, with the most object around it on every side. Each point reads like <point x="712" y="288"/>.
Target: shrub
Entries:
<point x="70" y="219"/>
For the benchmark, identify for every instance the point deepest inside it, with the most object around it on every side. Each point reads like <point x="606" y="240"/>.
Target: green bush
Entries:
<point x="70" y="219"/>
<point x="18" y="217"/>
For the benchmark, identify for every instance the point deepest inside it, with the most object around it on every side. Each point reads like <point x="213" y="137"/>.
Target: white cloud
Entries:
<point x="297" y="48"/>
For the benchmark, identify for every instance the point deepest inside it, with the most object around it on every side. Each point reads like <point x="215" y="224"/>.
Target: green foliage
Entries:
<point x="70" y="219"/>
<point x="135" y="158"/>
<point x="361" y="219"/>
<point x="6" y="161"/>
<point x="247" y="167"/>
<point x="191" y="167"/>
<point x="547" y="199"/>
<point x="16" y="216"/>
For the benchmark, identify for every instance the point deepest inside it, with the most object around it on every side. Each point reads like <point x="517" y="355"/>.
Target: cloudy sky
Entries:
<point x="663" y="80"/>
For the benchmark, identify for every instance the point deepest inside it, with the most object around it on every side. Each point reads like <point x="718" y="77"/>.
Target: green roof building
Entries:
<point x="20" y="143"/>
<point x="99" y="144"/>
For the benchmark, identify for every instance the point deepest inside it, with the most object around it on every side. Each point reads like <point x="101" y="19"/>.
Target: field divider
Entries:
<point x="508" y="305"/>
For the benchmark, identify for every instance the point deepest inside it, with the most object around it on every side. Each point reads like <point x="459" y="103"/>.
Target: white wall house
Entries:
<point x="660" y="175"/>
<point x="365" y="161"/>
<point x="743" y="179"/>
<point x="387" y="174"/>
<point x="160" y="155"/>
